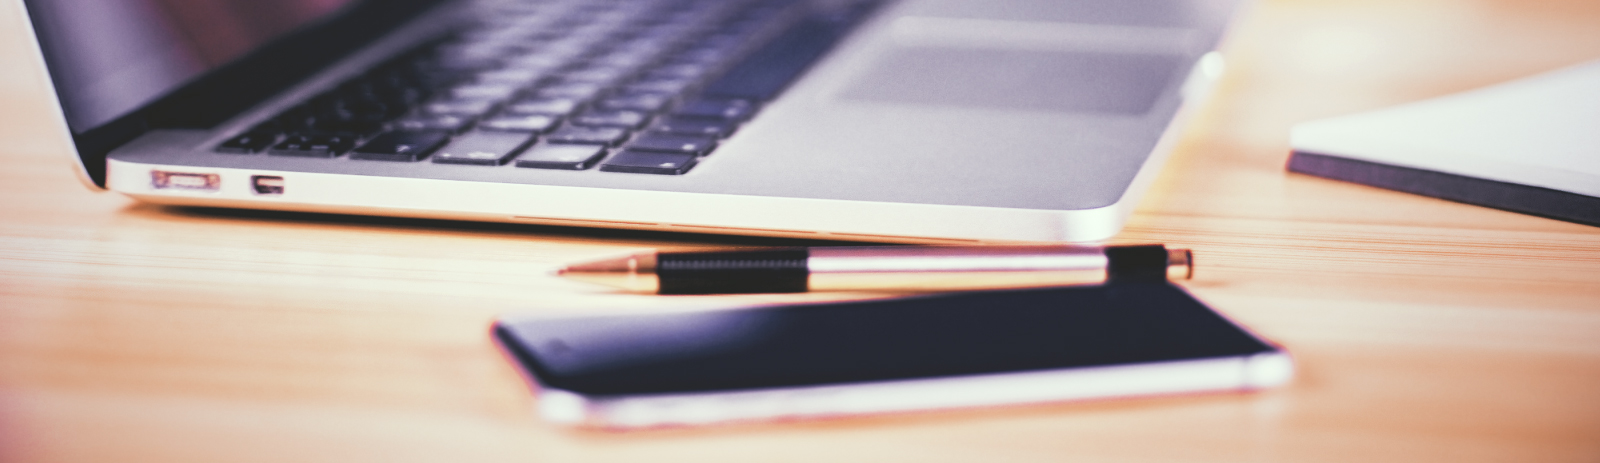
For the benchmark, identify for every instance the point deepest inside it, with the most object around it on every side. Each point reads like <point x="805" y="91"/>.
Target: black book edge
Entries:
<point x="1532" y="200"/>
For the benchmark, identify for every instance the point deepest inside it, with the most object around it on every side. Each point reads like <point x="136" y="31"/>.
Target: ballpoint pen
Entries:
<point x="847" y="268"/>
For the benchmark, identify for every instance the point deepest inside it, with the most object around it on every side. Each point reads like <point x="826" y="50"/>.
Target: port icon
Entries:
<point x="163" y="180"/>
<point x="266" y="184"/>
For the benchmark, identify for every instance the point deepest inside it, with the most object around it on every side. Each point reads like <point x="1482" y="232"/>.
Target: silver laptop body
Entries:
<point x="923" y="121"/>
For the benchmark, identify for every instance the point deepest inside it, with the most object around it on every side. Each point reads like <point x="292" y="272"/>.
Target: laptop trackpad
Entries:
<point x="1016" y="79"/>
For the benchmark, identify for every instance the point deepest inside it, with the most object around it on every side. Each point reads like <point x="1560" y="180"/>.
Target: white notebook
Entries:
<point x="1531" y="145"/>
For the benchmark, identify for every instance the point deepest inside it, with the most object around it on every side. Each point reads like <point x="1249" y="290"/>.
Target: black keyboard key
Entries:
<point x="484" y="148"/>
<point x="605" y="118"/>
<point x="435" y="79"/>
<point x="512" y="77"/>
<point x="624" y="59"/>
<point x="645" y="102"/>
<point x="588" y="135"/>
<point x="679" y="71"/>
<point x="461" y="107"/>
<point x="724" y="108"/>
<point x="696" y="126"/>
<point x="316" y="145"/>
<point x="644" y="46"/>
<point x="457" y="60"/>
<point x="574" y="90"/>
<point x="705" y="55"/>
<point x="599" y="76"/>
<point x="547" y="106"/>
<point x="764" y="73"/>
<point x="672" y="143"/>
<point x="540" y="62"/>
<point x="248" y="143"/>
<point x="568" y="157"/>
<point x="523" y="123"/>
<point x="466" y="51"/>
<point x="671" y="86"/>
<point x="648" y="162"/>
<point x="492" y="92"/>
<point x="434" y="122"/>
<point x="402" y="146"/>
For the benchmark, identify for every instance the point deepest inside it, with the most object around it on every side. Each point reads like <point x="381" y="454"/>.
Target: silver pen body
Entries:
<point x="952" y="268"/>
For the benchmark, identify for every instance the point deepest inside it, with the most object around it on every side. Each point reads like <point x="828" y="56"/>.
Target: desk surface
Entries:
<point x="1425" y="330"/>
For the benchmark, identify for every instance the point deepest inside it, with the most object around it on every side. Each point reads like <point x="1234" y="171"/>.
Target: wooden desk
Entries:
<point x="1425" y="330"/>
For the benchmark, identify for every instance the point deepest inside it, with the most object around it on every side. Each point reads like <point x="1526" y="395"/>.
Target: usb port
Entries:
<point x="163" y="180"/>
<point x="267" y="184"/>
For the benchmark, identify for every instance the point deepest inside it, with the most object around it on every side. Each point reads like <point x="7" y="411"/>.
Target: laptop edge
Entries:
<point x="816" y="218"/>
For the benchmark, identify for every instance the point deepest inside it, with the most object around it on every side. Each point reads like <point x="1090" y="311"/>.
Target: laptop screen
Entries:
<point x="110" y="57"/>
<point x="124" y="67"/>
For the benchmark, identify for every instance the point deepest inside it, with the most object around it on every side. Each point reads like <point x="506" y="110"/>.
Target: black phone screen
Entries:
<point x="879" y="340"/>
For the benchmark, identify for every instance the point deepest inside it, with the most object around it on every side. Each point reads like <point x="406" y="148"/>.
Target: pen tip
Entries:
<point x="634" y="272"/>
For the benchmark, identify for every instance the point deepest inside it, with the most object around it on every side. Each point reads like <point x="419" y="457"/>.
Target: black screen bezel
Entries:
<point x="228" y="90"/>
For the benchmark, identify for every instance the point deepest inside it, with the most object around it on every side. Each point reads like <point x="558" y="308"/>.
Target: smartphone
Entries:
<point x="951" y="350"/>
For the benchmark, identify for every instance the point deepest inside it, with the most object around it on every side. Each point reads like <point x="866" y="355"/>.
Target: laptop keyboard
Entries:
<point x="644" y="87"/>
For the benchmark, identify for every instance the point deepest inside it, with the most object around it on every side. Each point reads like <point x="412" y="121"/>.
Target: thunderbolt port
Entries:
<point x="267" y="184"/>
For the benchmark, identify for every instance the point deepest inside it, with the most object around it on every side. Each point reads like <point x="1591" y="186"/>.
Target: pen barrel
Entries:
<point x="955" y="268"/>
<point x="893" y="268"/>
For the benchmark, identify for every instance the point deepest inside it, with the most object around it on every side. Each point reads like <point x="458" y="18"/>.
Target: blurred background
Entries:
<point x="1425" y="330"/>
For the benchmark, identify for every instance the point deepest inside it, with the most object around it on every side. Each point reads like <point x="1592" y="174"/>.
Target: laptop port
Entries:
<point x="266" y="184"/>
<point x="163" y="180"/>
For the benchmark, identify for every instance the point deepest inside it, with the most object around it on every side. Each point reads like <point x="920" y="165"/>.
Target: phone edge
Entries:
<point x="638" y="411"/>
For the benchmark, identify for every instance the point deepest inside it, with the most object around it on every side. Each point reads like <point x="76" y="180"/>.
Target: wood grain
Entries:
<point x="1425" y="330"/>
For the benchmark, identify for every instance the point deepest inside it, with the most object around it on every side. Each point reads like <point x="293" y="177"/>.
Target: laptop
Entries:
<point x="941" y="121"/>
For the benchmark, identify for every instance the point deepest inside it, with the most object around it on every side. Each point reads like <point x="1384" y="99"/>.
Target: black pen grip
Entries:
<point x="1136" y="263"/>
<point x="728" y="272"/>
